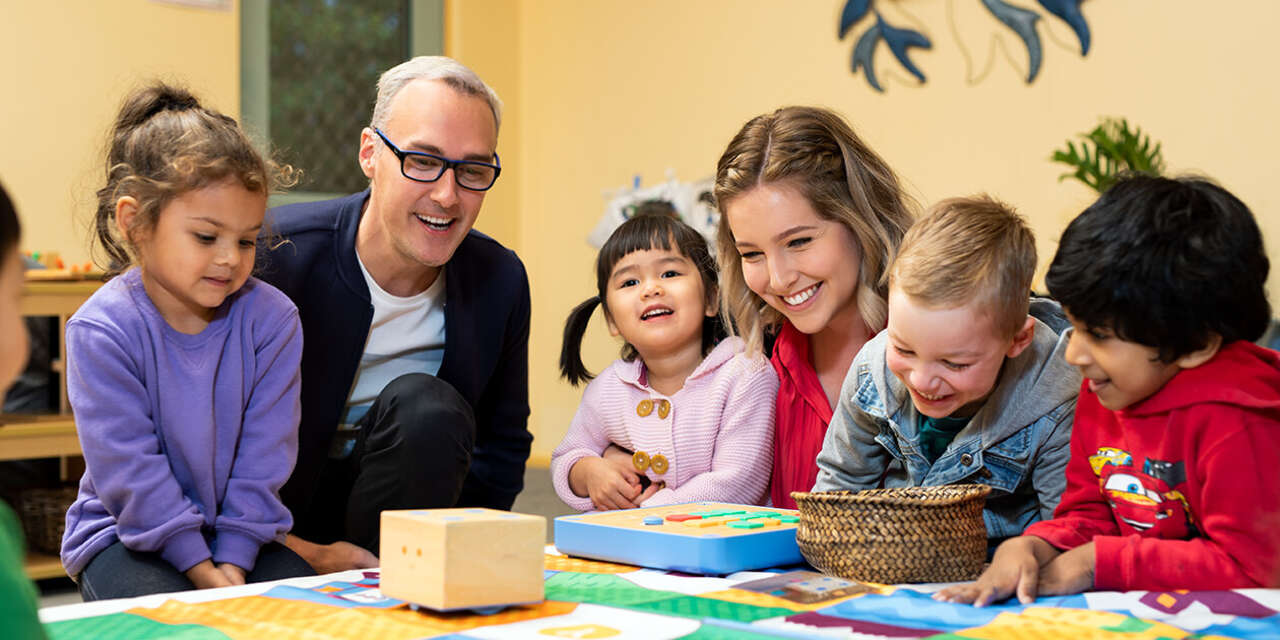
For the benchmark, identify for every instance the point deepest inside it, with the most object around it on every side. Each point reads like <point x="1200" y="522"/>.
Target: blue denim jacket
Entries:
<point x="1017" y="443"/>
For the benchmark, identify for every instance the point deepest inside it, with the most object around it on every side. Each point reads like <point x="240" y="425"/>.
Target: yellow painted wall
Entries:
<point x="605" y="90"/>
<point x="67" y="65"/>
<point x="597" y="92"/>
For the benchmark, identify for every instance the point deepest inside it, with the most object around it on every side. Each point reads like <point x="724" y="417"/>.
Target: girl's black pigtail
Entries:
<point x="571" y="367"/>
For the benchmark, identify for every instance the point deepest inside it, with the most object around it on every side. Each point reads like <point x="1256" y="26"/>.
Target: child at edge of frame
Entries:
<point x="1172" y="482"/>
<point x="18" y="596"/>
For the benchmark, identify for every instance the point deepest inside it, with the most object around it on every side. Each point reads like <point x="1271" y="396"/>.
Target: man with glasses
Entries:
<point x="416" y="327"/>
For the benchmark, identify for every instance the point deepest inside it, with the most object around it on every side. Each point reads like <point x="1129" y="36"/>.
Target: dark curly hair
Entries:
<point x="1165" y="263"/>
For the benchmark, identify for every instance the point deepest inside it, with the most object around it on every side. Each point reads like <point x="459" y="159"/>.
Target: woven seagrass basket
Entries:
<point x="891" y="536"/>
<point x="44" y="516"/>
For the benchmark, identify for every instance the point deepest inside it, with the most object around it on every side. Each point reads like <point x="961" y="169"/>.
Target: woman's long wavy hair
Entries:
<point x="816" y="152"/>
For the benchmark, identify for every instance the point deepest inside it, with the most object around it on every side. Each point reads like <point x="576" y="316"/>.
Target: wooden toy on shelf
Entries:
<point x="56" y="269"/>
<point x="709" y="538"/>
<point x="449" y="559"/>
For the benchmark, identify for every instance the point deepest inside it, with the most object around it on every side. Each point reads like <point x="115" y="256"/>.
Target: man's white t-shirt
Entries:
<point x="406" y="336"/>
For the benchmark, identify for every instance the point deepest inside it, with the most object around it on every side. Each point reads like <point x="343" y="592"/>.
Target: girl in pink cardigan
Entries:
<point x="684" y="415"/>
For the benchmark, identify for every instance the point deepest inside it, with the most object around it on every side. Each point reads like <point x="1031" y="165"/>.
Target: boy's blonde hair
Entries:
<point x="969" y="249"/>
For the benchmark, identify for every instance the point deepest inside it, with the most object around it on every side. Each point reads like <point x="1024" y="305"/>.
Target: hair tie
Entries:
<point x="171" y="102"/>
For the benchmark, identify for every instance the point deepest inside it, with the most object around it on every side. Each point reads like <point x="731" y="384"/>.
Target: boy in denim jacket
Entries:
<point x="1172" y="482"/>
<point x="967" y="384"/>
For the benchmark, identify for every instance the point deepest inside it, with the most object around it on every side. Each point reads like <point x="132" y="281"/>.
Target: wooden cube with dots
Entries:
<point x="447" y="559"/>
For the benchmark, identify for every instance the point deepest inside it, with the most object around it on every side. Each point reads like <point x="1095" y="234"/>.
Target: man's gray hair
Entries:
<point x="447" y="70"/>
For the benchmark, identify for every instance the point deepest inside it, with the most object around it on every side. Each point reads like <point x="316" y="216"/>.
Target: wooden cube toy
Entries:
<point x="448" y="559"/>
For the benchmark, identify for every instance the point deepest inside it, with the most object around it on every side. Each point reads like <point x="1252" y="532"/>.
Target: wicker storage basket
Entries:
<point x="890" y="536"/>
<point x="44" y="516"/>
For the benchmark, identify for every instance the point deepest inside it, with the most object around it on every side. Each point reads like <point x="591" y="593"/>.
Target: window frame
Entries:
<point x="426" y="38"/>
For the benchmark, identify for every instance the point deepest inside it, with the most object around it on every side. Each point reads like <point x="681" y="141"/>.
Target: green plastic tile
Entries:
<point x="600" y="588"/>
<point x="699" y="608"/>
<point x="1129" y="625"/>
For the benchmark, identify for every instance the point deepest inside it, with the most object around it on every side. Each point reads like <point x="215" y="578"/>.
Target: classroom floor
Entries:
<point x="538" y="498"/>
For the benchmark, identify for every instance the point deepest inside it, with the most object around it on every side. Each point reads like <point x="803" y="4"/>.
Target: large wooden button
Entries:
<point x="659" y="464"/>
<point x="640" y="460"/>
<point x="644" y="408"/>
<point x="664" y="408"/>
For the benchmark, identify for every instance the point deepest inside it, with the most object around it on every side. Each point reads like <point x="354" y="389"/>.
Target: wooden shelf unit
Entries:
<point x="37" y="436"/>
<point x="40" y="566"/>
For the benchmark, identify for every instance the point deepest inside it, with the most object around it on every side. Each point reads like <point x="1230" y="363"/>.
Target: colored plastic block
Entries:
<point x="681" y="517"/>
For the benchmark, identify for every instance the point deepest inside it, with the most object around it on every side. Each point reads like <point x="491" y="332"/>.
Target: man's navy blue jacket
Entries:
<point x="486" y="354"/>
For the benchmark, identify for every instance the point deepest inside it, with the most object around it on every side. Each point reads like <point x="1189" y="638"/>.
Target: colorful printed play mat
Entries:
<point x="586" y="599"/>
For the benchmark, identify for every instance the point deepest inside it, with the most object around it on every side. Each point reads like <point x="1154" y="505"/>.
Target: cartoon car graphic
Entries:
<point x="1145" y="500"/>
<point x="1134" y="504"/>
<point x="1109" y="455"/>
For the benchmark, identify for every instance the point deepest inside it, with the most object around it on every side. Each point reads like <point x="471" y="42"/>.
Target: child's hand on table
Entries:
<point x="1018" y="567"/>
<point x="1070" y="572"/>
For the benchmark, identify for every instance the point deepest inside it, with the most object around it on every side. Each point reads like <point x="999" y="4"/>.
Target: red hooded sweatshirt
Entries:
<point x="1182" y="489"/>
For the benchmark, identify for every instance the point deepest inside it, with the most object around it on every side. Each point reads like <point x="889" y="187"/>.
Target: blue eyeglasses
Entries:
<point x="427" y="167"/>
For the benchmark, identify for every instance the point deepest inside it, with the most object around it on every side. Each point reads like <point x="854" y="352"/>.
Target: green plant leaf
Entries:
<point x="1106" y="151"/>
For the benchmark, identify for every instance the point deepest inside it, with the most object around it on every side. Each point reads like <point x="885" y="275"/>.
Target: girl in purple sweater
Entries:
<point x="182" y="369"/>
<point x="684" y="415"/>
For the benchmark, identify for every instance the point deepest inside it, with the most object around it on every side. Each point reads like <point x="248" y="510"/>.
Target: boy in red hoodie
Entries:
<point x="1174" y="477"/>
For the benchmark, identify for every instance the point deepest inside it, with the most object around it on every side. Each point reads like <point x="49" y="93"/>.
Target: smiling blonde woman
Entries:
<point x="811" y="218"/>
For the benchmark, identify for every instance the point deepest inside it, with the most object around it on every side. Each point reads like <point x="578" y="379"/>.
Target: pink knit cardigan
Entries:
<point x="717" y="436"/>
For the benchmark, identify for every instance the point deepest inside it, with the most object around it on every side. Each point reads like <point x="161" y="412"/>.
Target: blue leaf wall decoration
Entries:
<point x="1023" y="23"/>
<point x="863" y="53"/>
<point x="898" y="41"/>
<point x="853" y="12"/>
<point x="1069" y="11"/>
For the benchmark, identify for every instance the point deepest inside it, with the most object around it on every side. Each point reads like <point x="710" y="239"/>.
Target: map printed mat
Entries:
<point x="587" y="599"/>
